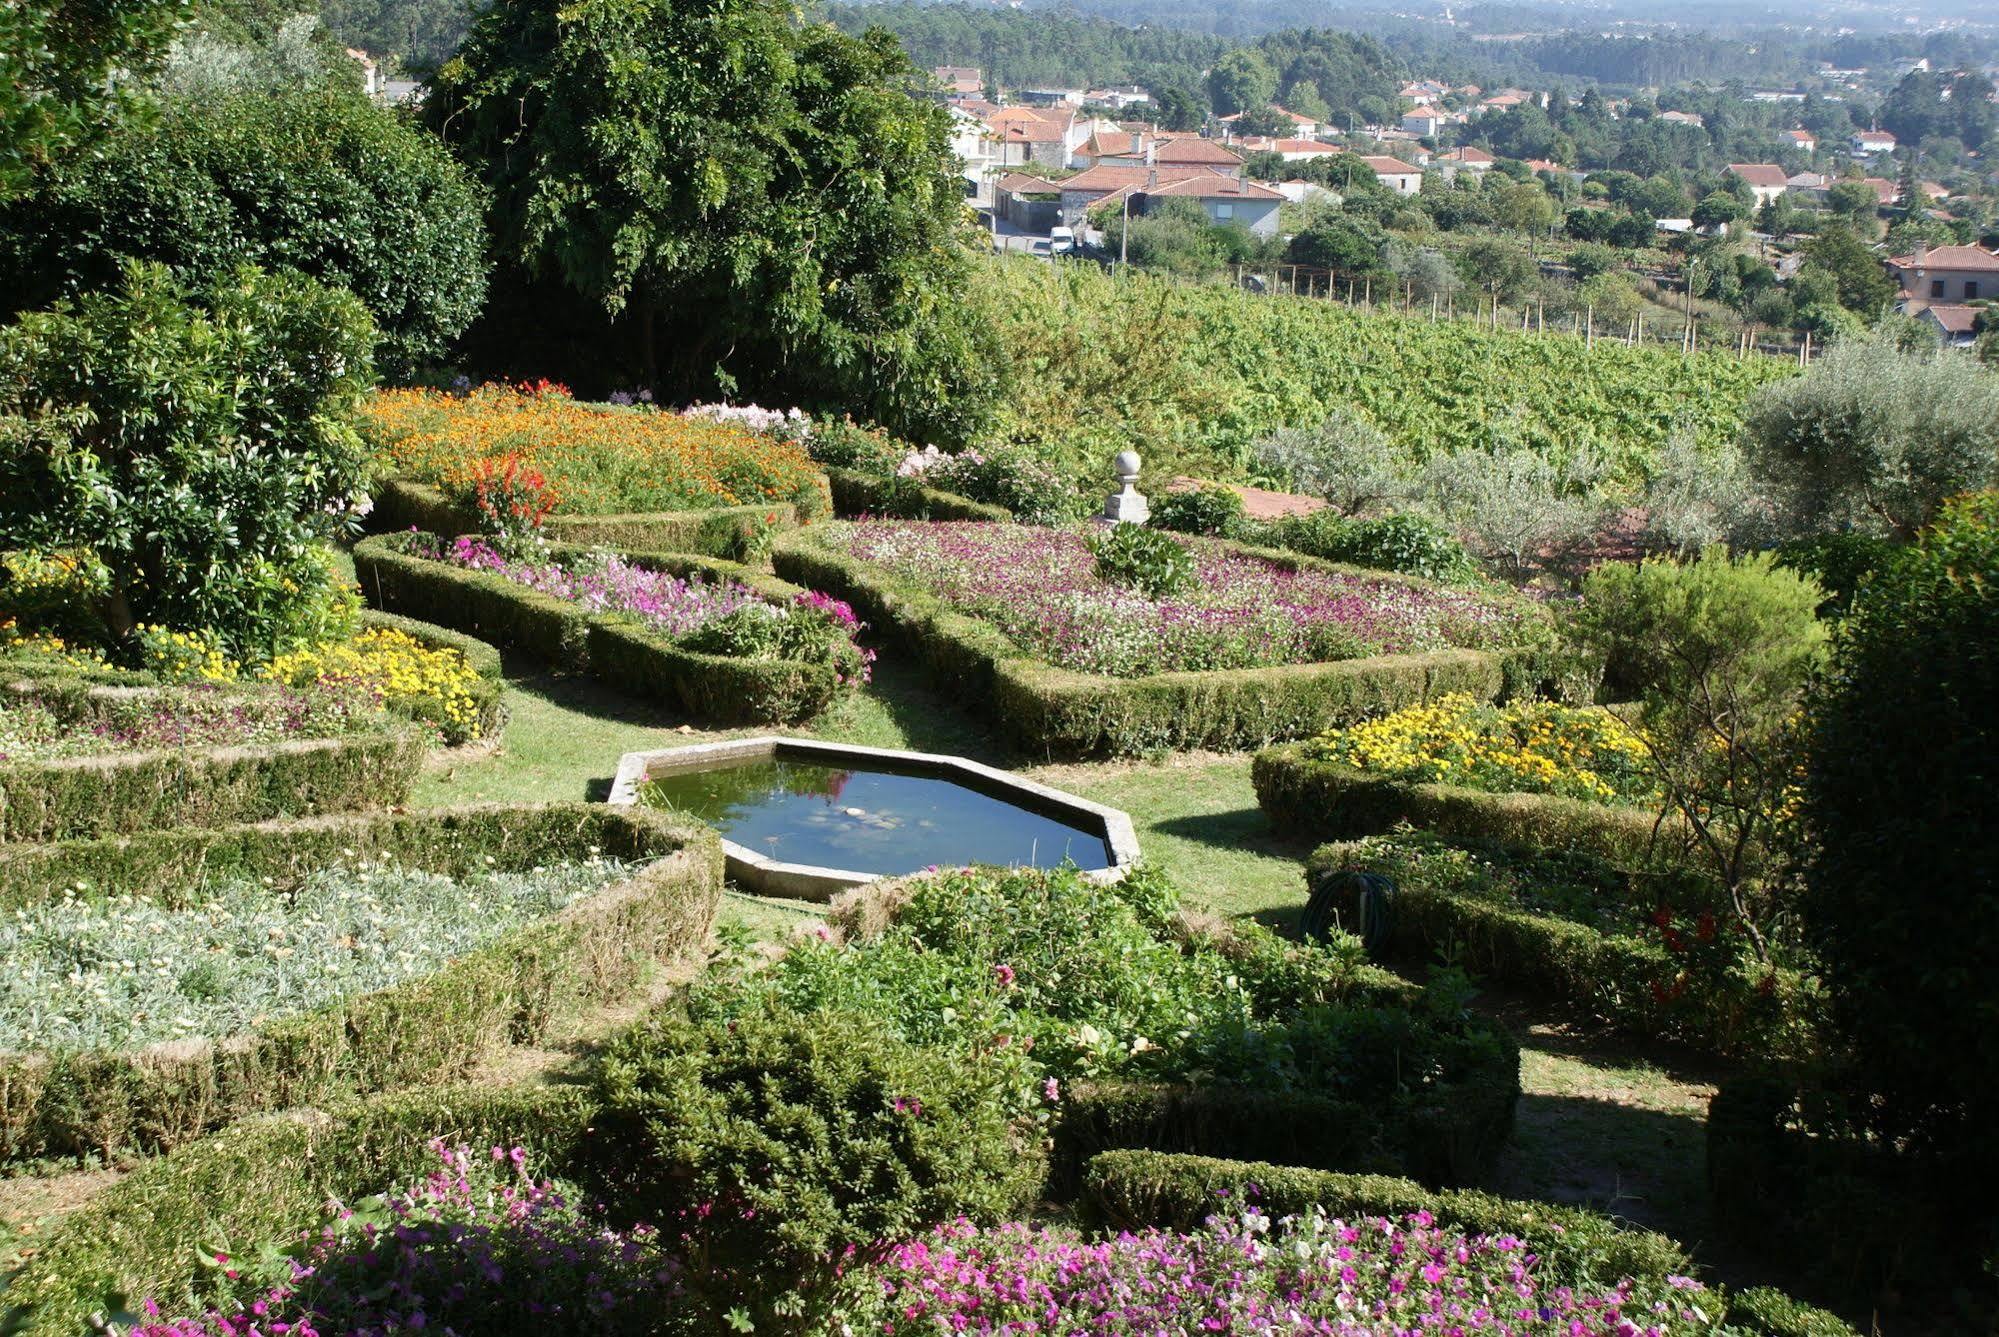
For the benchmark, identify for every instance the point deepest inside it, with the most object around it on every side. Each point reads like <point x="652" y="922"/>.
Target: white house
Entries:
<point x="1425" y="120"/>
<point x="1397" y="175"/>
<point x="1766" y="180"/>
<point x="1872" y="141"/>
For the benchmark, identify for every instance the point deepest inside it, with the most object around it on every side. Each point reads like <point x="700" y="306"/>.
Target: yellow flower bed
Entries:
<point x="1534" y="747"/>
<point x="434" y="685"/>
<point x="46" y="646"/>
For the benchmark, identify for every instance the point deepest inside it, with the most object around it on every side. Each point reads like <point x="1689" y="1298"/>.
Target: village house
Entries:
<point x="1030" y="203"/>
<point x="964" y="80"/>
<point x="1944" y="274"/>
<point x="1467" y="159"/>
<point x="1683" y="118"/>
<point x="1866" y="142"/>
<point x="1804" y="141"/>
<point x="1398" y="176"/>
<point x="1955" y="325"/>
<point x="1765" y="180"/>
<point x="1425" y="120"/>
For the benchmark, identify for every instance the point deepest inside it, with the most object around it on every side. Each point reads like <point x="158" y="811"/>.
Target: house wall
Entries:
<point x="1959" y="285"/>
<point x="1259" y="217"/>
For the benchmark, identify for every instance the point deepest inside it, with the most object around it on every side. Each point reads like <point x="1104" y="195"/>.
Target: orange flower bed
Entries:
<point x="596" y="460"/>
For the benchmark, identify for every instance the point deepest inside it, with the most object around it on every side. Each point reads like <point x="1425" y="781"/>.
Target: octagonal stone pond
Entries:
<point x="806" y="819"/>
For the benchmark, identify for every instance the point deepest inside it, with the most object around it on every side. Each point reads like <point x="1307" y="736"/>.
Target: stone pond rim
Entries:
<point x="801" y="881"/>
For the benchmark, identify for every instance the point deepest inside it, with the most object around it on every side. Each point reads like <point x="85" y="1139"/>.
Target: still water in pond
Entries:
<point x="869" y="820"/>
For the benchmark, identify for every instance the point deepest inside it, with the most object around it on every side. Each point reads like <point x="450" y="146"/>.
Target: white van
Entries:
<point x="1061" y="240"/>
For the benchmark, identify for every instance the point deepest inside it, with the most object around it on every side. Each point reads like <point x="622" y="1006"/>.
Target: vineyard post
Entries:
<point x="1589" y="339"/>
<point x="1367" y="298"/>
<point x="1433" y="308"/>
<point x="1805" y="350"/>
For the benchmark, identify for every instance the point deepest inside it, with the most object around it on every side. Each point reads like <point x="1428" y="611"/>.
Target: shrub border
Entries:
<point x="118" y="792"/>
<point x="856" y="494"/>
<point x="422" y="1031"/>
<point x="616" y="649"/>
<point x="1041" y="709"/>
<point x="717" y="531"/>
<point x="1303" y="795"/>
<point x="1605" y="976"/>
<point x="1133" y="1190"/>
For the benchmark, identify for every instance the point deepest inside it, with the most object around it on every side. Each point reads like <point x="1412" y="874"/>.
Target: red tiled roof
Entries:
<point x="1191" y="150"/>
<point x="1107" y="178"/>
<point x="1211" y="186"/>
<point x="1469" y="155"/>
<point x="1951" y="257"/>
<point x="1391" y="167"/>
<point x="1885" y="191"/>
<point x="1305" y="146"/>
<point x="1759" y="173"/>
<point x="1955" y="319"/>
<point x="1024" y="184"/>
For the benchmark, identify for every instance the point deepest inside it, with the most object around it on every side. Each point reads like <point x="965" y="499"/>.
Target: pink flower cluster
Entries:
<point x="612" y="585"/>
<point x="1041" y="588"/>
<point x="1370" y="1277"/>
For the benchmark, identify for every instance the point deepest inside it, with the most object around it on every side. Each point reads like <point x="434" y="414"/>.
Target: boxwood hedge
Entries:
<point x="69" y="797"/>
<point x="617" y="649"/>
<point x="720" y="531"/>
<point x="427" y="1030"/>
<point x="857" y="494"/>
<point x="1303" y="795"/>
<point x="1135" y="1190"/>
<point x="1047" y="711"/>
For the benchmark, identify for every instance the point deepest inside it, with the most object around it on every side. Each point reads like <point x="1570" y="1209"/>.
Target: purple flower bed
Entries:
<point x="610" y="585"/>
<point x="1363" y="1278"/>
<point x="1040" y="587"/>
<point x="183" y="717"/>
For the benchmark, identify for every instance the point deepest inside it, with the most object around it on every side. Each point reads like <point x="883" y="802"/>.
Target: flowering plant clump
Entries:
<point x="779" y="424"/>
<point x="508" y="496"/>
<point x="1041" y="587"/>
<point x="1529" y="746"/>
<point x="436" y="685"/>
<point x="479" y="1247"/>
<point x="1011" y="476"/>
<point x="715" y="617"/>
<point x="183" y="717"/>
<point x="595" y="460"/>
<point x="84" y="972"/>
<point x="1365" y="1277"/>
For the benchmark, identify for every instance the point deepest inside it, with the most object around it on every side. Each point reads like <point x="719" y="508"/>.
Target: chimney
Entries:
<point x="1922" y="256"/>
<point x="1151" y="179"/>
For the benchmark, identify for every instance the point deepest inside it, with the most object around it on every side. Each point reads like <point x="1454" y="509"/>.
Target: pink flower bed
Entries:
<point x="1040" y="587"/>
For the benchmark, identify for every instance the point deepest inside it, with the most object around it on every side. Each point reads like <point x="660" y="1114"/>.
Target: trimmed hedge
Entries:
<point x="856" y="494"/>
<point x="1135" y="1190"/>
<point x="262" y="1181"/>
<point x="1451" y="1134"/>
<point x="1303" y="795"/>
<point x="1609" y="977"/>
<point x="603" y="948"/>
<point x="619" y="650"/>
<point x="489" y="694"/>
<point x="719" y="531"/>
<point x="1044" y="710"/>
<point x="76" y="797"/>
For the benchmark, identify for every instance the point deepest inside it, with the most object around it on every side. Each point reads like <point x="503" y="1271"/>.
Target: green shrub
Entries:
<point x="842" y="443"/>
<point x="1410" y="544"/>
<point x="194" y="446"/>
<point x="1014" y="478"/>
<point x="856" y="494"/>
<point x="721" y="531"/>
<point x="1209" y="509"/>
<point x="1903" y="902"/>
<point x="318" y="181"/>
<point x="1839" y="563"/>
<point x="1144" y="560"/>
<point x="778" y="1142"/>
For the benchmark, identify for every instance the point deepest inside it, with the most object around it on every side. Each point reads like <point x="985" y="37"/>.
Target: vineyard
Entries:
<point x="1195" y="374"/>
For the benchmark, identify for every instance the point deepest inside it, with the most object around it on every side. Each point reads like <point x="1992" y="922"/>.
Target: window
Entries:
<point x="1971" y="290"/>
<point x="1936" y="287"/>
<point x="1228" y="211"/>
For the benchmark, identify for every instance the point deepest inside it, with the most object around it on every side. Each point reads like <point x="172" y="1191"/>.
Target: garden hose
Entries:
<point x="1352" y="902"/>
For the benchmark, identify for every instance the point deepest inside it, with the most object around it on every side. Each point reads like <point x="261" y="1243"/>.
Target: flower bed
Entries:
<point x="1305" y="794"/>
<point x="1127" y="1035"/>
<point x="80" y="761"/>
<point x="142" y="1005"/>
<point x="716" y="639"/>
<point x="624" y="476"/>
<point x="1534" y="747"/>
<point x="1229" y="665"/>
<point x="1648" y="952"/>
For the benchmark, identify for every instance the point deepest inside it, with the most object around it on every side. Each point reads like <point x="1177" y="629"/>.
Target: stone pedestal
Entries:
<point x="1127" y="505"/>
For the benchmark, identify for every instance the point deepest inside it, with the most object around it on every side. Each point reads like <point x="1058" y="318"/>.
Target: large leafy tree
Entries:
<point x="758" y="200"/>
<point x="68" y="72"/>
<point x="315" y="179"/>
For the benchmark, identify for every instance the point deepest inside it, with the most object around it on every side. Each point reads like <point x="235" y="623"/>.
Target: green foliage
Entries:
<point x="778" y="1142"/>
<point x="1719" y="652"/>
<point x="1209" y="509"/>
<point x="1018" y="479"/>
<point x="1144" y="559"/>
<point x="1350" y="247"/>
<point x="1903" y="904"/>
<point x="1874" y="437"/>
<point x="1345" y="460"/>
<point x="1864" y="288"/>
<point x="1411" y="544"/>
<point x="691" y="165"/>
<point x="196" y="446"/>
<point x="842" y="443"/>
<point x="1840" y="563"/>
<point x="314" y="180"/>
<point x="69" y="76"/>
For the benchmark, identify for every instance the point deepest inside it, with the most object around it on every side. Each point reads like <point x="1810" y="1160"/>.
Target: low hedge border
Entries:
<point x="262" y="1180"/>
<point x="1608" y="977"/>
<point x="1044" y="710"/>
<point x="619" y="650"/>
<point x="1450" y="1134"/>
<point x="1134" y="1190"/>
<point x="1305" y="796"/>
<point x="856" y="494"/>
<point x="602" y="949"/>
<point x="78" y="797"/>
<point x="719" y="531"/>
